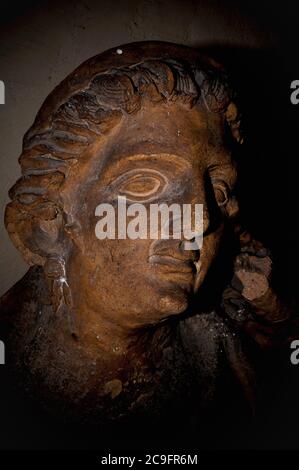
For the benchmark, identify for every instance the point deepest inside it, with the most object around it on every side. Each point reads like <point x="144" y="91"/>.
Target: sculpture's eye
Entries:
<point x="221" y="192"/>
<point x="141" y="184"/>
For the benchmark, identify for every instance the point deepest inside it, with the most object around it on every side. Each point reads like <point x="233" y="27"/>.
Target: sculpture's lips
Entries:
<point x="170" y="261"/>
<point x="172" y="264"/>
<point x="173" y="250"/>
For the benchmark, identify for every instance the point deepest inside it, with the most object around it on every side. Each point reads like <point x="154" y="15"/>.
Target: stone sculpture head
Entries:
<point x="151" y="121"/>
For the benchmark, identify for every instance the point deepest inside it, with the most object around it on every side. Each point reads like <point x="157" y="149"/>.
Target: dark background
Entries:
<point x="41" y="42"/>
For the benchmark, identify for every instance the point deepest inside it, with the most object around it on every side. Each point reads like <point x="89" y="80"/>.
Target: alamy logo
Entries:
<point x="294" y="97"/>
<point x="2" y="353"/>
<point x="154" y="221"/>
<point x="2" y="92"/>
<point x="294" y="358"/>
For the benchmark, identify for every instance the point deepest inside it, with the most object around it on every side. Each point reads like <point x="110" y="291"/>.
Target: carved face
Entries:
<point x="163" y="154"/>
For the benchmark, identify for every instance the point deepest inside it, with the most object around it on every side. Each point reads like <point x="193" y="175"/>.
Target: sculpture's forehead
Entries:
<point x="167" y="129"/>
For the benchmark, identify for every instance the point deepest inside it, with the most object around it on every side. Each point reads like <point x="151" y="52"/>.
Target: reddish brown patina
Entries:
<point x="122" y="328"/>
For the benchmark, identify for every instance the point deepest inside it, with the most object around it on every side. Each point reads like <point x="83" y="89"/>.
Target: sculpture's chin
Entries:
<point x="172" y="297"/>
<point x="173" y="305"/>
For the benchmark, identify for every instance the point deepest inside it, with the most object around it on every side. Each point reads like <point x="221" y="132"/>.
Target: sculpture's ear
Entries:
<point x="232" y="208"/>
<point x="234" y="121"/>
<point x="37" y="232"/>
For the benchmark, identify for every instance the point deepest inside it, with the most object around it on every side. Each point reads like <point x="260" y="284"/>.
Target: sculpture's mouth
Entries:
<point x="174" y="271"/>
<point x="172" y="264"/>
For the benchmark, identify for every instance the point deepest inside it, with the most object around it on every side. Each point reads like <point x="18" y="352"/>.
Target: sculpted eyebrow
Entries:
<point x="170" y="159"/>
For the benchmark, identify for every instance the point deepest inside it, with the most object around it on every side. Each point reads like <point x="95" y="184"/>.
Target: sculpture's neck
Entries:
<point x="92" y="328"/>
<point x="99" y="333"/>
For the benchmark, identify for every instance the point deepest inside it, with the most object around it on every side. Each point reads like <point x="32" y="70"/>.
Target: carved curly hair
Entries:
<point x="85" y="107"/>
